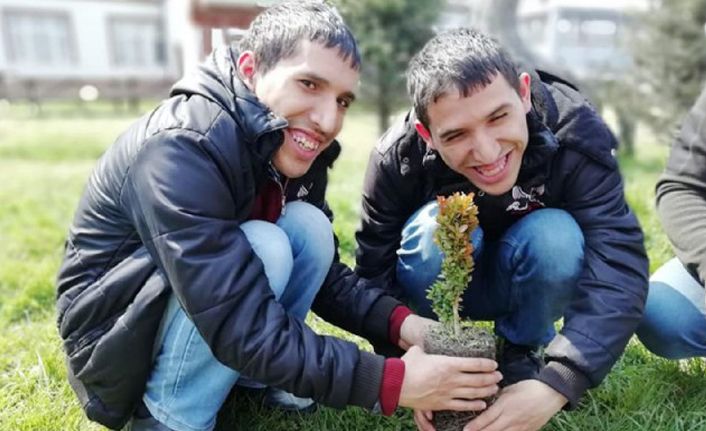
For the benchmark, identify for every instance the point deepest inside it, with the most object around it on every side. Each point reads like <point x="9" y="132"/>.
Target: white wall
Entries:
<point x="529" y="6"/>
<point x="89" y="22"/>
<point x="184" y="38"/>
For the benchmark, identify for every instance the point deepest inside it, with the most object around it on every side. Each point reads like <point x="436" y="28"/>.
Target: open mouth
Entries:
<point x="493" y="170"/>
<point x="305" y="142"/>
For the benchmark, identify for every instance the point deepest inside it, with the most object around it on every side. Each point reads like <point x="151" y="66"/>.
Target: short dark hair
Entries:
<point x="462" y="58"/>
<point x="276" y="32"/>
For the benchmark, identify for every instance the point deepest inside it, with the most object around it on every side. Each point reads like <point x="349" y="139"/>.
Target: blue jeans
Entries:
<point x="674" y="323"/>
<point x="523" y="281"/>
<point x="188" y="385"/>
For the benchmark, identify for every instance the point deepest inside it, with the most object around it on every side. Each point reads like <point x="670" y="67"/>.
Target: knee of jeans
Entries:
<point x="272" y="246"/>
<point x="419" y="258"/>
<point x="313" y="230"/>
<point x="657" y="342"/>
<point x="663" y="342"/>
<point x="552" y="240"/>
<point x="671" y="327"/>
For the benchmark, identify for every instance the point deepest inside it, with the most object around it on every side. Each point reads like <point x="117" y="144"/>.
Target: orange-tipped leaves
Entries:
<point x="457" y="219"/>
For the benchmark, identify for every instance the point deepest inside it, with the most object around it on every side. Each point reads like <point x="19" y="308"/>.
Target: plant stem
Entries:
<point x="457" y="319"/>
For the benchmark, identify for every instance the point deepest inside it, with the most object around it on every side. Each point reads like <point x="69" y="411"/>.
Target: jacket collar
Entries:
<point x="542" y="144"/>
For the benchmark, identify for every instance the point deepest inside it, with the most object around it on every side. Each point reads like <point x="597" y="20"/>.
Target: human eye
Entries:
<point x="308" y="84"/>
<point x="498" y="117"/>
<point x="453" y="137"/>
<point x="344" y="102"/>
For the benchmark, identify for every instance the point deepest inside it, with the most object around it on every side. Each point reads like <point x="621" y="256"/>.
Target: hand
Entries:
<point x="435" y="382"/>
<point x="413" y="330"/>
<point x="524" y="406"/>
<point x="423" y="419"/>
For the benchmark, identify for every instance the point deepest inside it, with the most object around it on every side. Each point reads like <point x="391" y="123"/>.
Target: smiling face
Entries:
<point x="312" y="90"/>
<point x="484" y="135"/>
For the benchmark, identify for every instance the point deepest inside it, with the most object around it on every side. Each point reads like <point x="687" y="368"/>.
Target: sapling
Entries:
<point x="457" y="219"/>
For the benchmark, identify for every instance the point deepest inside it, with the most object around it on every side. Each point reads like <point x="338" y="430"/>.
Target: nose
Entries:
<point x="486" y="148"/>
<point x="327" y="117"/>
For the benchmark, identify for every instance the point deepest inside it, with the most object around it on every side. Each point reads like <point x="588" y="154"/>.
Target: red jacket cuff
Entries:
<point x="397" y="317"/>
<point x="392" y="377"/>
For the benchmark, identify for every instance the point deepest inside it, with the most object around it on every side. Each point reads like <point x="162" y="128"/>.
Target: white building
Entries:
<point x="49" y="48"/>
<point x="198" y="26"/>
<point x="124" y="48"/>
<point x="465" y="13"/>
<point x="585" y="37"/>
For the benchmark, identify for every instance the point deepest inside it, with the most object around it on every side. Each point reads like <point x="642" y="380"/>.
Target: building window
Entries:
<point x="136" y="42"/>
<point x="39" y="38"/>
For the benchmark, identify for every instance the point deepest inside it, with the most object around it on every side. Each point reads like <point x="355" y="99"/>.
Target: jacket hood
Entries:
<point x="542" y="144"/>
<point x="217" y="80"/>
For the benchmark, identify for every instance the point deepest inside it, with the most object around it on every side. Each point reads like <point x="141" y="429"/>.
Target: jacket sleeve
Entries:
<point x="389" y="199"/>
<point x="182" y="205"/>
<point x="681" y="192"/>
<point x="345" y="299"/>
<point x="353" y="304"/>
<point x="612" y="289"/>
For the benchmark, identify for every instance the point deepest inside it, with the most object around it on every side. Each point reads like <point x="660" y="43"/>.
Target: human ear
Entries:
<point x="424" y="133"/>
<point x="246" y="68"/>
<point x="525" y="91"/>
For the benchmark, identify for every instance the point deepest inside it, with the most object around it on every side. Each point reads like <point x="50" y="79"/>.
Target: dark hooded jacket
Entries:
<point x="161" y="214"/>
<point x="568" y="164"/>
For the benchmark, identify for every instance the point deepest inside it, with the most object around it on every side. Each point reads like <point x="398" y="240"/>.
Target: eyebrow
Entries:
<point x="495" y="112"/>
<point x="448" y="133"/>
<point x="320" y="79"/>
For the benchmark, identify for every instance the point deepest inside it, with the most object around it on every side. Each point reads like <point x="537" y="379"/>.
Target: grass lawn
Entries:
<point x="43" y="166"/>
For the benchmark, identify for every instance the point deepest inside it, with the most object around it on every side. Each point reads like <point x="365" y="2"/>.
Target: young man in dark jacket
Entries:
<point x="674" y="324"/>
<point x="203" y="237"/>
<point x="556" y="236"/>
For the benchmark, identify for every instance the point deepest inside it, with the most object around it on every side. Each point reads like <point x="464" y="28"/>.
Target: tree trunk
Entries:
<point x="626" y="123"/>
<point x="502" y="21"/>
<point x="384" y="107"/>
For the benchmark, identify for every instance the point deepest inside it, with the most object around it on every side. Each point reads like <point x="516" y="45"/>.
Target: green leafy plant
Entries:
<point x="457" y="218"/>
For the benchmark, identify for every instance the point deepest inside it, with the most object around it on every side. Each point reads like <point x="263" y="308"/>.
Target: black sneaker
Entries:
<point x="142" y="420"/>
<point x="518" y="362"/>
<point x="251" y="389"/>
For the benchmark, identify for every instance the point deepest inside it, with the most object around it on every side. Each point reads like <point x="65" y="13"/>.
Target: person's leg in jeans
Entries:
<point x="540" y="259"/>
<point x="419" y="258"/>
<point x="311" y="237"/>
<point x="523" y="281"/>
<point x="188" y="385"/>
<point x="674" y="323"/>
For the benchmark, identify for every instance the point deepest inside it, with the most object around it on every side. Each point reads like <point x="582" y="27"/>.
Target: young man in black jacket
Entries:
<point x="674" y="325"/>
<point x="203" y="237"/>
<point x="556" y="236"/>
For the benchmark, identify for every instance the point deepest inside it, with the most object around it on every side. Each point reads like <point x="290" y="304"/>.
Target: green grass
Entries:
<point x="43" y="167"/>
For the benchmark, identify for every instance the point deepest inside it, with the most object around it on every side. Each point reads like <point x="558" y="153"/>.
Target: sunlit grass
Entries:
<point x="44" y="164"/>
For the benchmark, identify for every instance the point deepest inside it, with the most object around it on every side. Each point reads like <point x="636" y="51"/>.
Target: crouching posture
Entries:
<point x="556" y="236"/>
<point x="674" y="325"/>
<point x="203" y="238"/>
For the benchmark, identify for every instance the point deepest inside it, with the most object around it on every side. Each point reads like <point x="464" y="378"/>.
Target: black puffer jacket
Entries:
<point x="568" y="164"/>
<point x="160" y="214"/>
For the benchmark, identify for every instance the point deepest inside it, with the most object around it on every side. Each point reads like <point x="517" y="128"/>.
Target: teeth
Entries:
<point x="305" y="143"/>
<point x="494" y="170"/>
